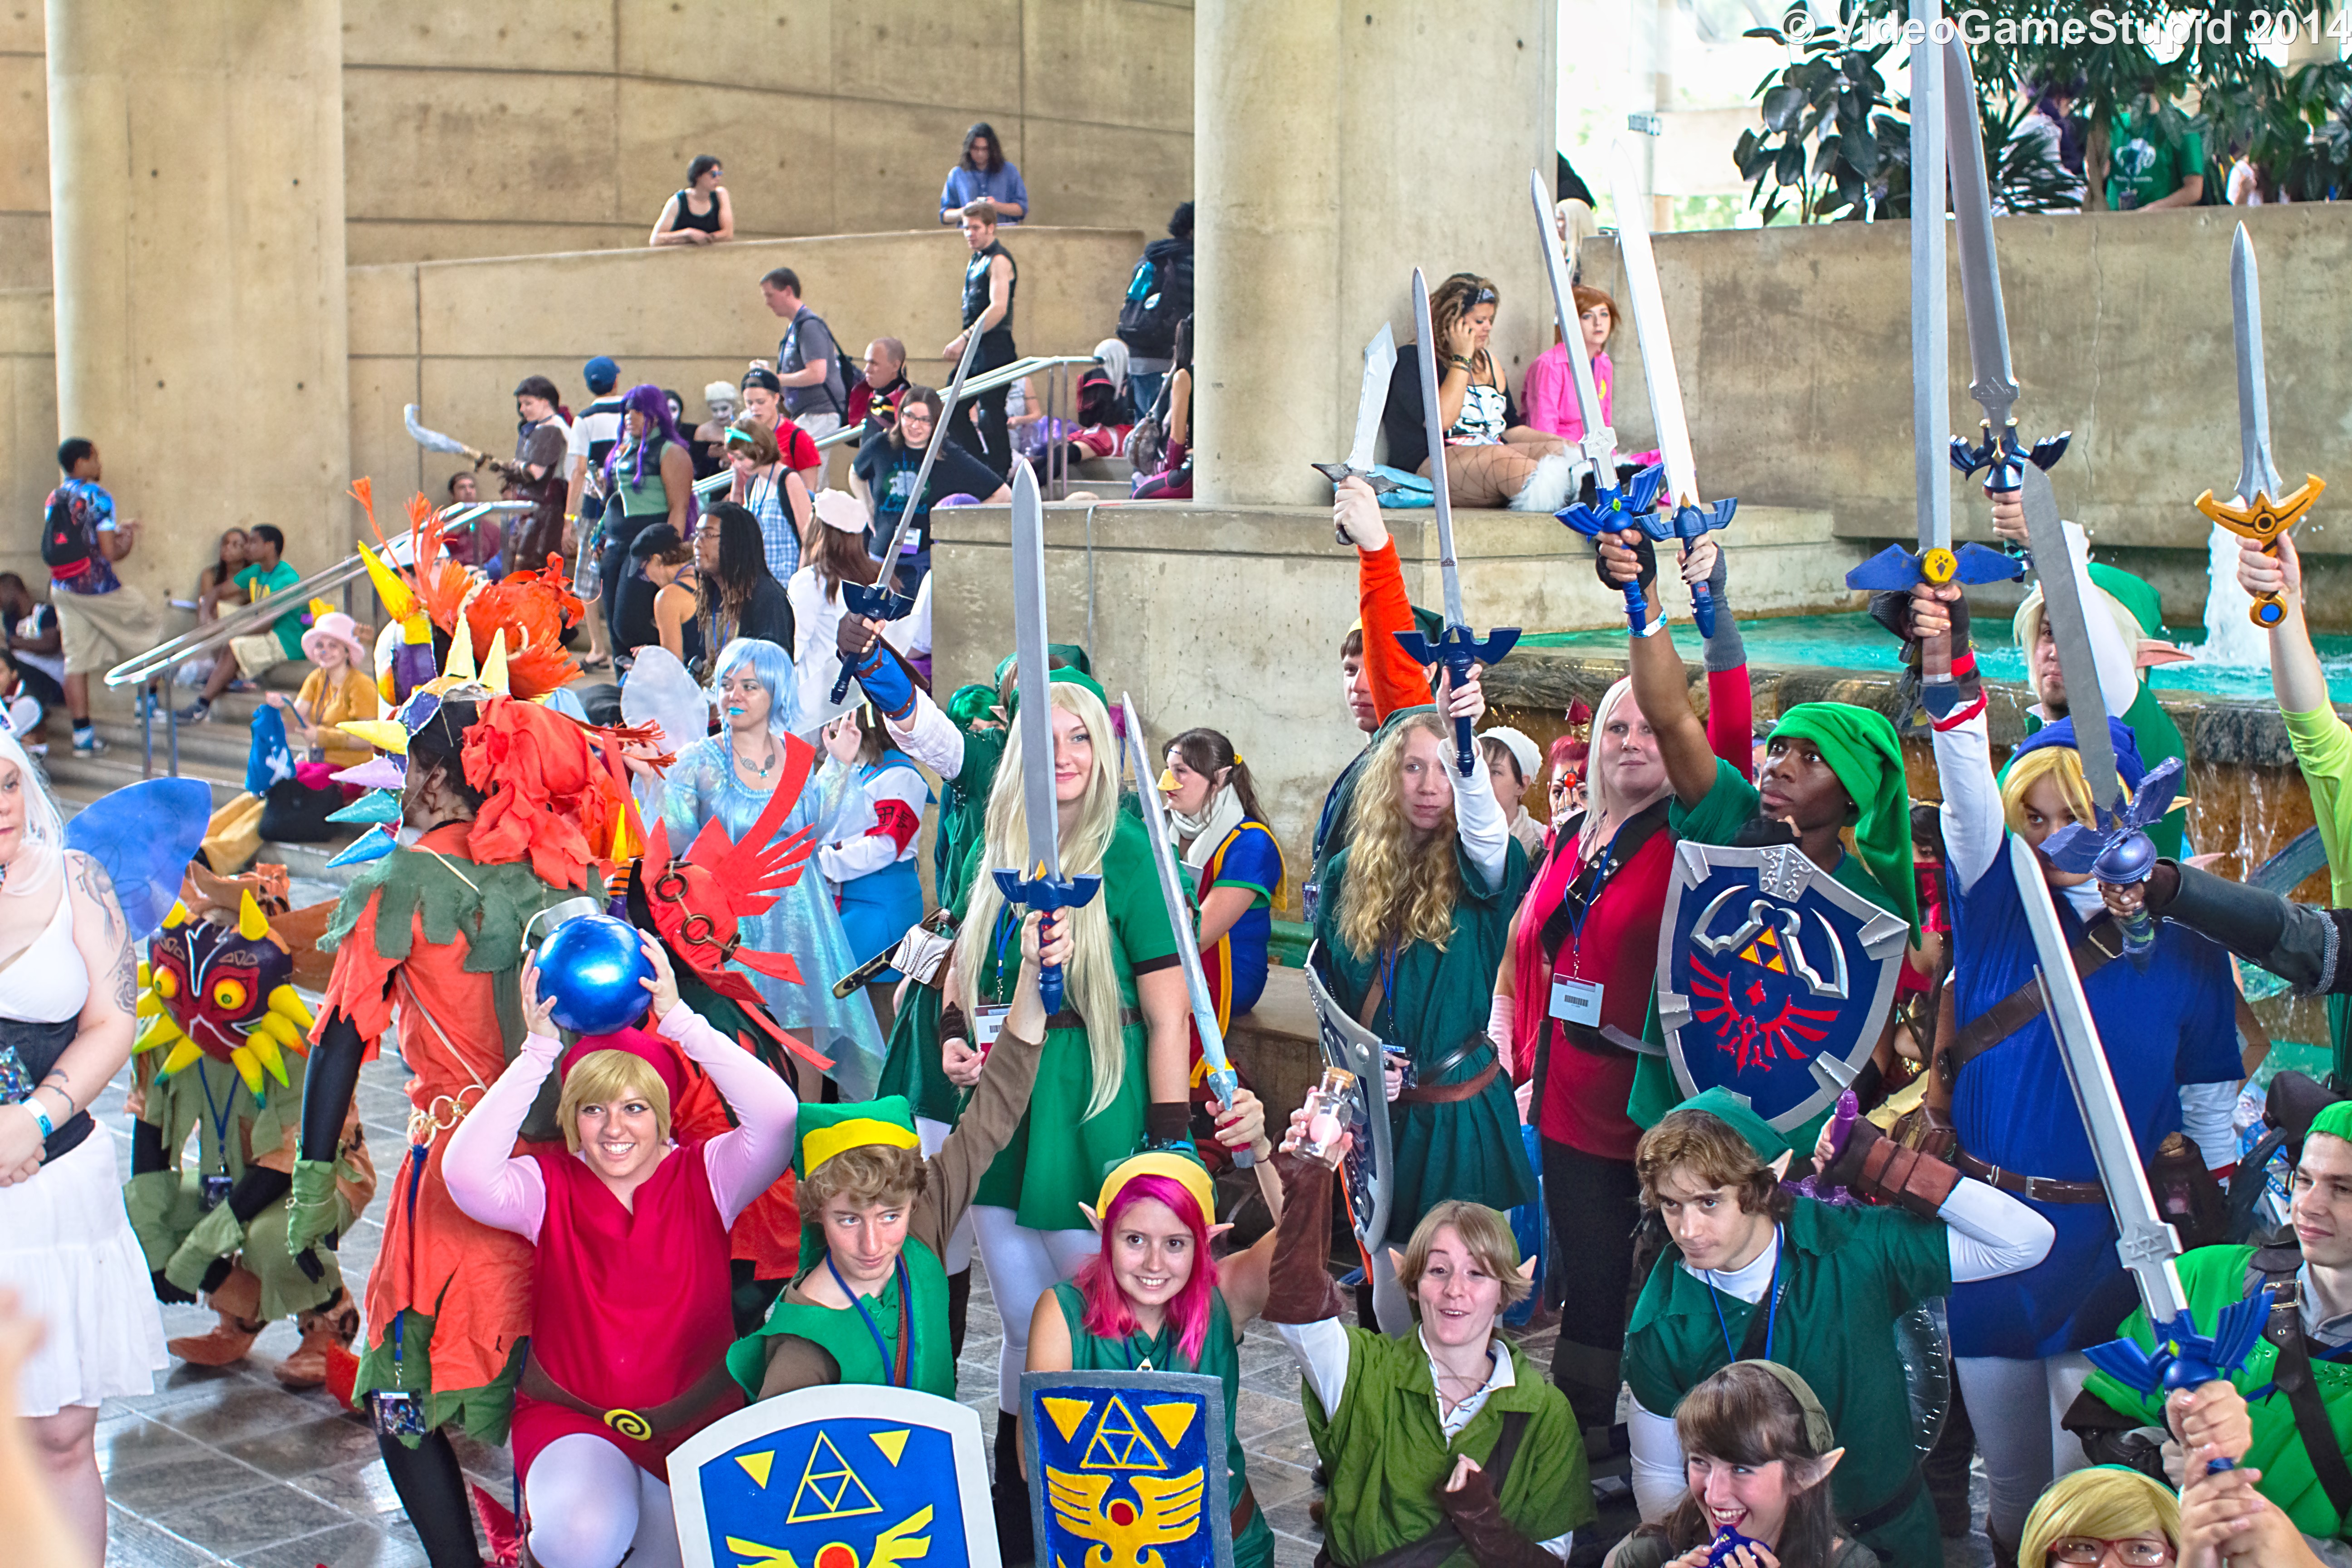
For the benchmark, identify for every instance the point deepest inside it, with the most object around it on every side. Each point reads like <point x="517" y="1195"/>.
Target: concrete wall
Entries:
<point x="1795" y="366"/>
<point x="28" y="421"/>
<point x="475" y="129"/>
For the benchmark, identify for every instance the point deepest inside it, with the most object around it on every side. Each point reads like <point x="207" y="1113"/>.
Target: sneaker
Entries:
<point x="41" y="747"/>
<point x="86" y="743"/>
<point x="197" y="712"/>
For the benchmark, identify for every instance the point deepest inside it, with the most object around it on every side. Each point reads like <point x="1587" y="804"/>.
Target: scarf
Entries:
<point x="1210" y="830"/>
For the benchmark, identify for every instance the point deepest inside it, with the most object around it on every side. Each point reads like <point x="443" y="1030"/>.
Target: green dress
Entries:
<point x="1433" y="1002"/>
<point x="1845" y="1275"/>
<point x="1046" y="1178"/>
<point x="859" y="1342"/>
<point x="1387" y="1454"/>
<point x="1729" y="805"/>
<point x="1253" y="1547"/>
<point x="2213" y="1278"/>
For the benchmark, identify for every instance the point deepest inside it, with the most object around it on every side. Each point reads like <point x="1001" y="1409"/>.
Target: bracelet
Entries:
<point x="1458" y="359"/>
<point x="1654" y="627"/>
<point x="40" y="1118"/>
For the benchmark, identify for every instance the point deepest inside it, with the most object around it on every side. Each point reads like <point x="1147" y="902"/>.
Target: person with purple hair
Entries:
<point x="648" y="475"/>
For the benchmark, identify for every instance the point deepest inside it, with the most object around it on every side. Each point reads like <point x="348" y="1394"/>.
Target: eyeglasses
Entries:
<point x="2132" y="1554"/>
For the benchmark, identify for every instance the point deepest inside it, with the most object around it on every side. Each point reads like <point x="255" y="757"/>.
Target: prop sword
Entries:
<point x="881" y="601"/>
<point x="2255" y="515"/>
<point x="1682" y="516"/>
<point x="1612" y="509"/>
<point x="1221" y="1078"/>
<point x="434" y="441"/>
<point x="1456" y="647"/>
<point x="1372" y="398"/>
<point x="1991" y="383"/>
<point x="1045" y="889"/>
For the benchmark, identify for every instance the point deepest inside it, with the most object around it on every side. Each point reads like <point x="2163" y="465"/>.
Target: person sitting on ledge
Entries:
<point x="1492" y="457"/>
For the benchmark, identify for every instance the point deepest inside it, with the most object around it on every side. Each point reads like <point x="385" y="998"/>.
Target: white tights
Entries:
<point x="2015" y="1406"/>
<point x="591" y="1506"/>
<point x="957" y="1255"/>
<point x="1023" y="1265"/>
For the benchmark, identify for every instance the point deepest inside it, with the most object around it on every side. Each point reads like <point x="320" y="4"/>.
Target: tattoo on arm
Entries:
<point x="98" y="888"/>
<point x="126" y="980"/>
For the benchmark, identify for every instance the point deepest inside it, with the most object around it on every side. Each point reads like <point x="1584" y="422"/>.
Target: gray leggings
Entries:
<point x="2015" y="1407"/>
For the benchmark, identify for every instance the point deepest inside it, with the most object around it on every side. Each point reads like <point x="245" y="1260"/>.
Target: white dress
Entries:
<point x="65" y="1244"/>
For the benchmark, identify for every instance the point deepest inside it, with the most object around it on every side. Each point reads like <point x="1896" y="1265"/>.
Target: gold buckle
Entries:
<point x="628" y="1423"/>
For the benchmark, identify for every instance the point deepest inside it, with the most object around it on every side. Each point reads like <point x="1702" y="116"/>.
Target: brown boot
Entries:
<point x="237" y="1301"/>
<point x="334" y="1325"/>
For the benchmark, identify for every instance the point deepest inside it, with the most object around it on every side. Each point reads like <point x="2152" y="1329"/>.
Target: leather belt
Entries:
<point x="1244" y="1511"/>
<point x="1453" y="1093"/>
<point x="641" y="1425"/>
<point x="2040" y="1190"/>
<point x="1068" y="1018"/>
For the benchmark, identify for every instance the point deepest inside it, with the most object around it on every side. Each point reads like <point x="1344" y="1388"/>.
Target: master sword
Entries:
<point x="1456" y="648"/>
<point x="1372" y="398"/>
<point x="2255" y="515"/>
<point x="882" y="600"/>
<point x="1220" y="1077"/>
<point x="1991" y="382"/>
<point x="1045" y="889"/>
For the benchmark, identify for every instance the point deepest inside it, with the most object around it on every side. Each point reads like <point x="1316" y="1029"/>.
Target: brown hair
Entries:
<point x="1587" y="297"/>
<point x="1485" y="1233"/>
<point x="1455" y="298"/>
<point x="1714" y="1155"/>
<point x="1743" y="1415"/>
<point x="751" y="432"/>
<point x="1205" y="751"/>
<point x="984" y="209"/>
<point x="929" y="400"/>
<point x="865" y="1176"/>
<point x="1351" y="647"/>
<point x="602" y="1077"/>
<point x="840" y="557"/>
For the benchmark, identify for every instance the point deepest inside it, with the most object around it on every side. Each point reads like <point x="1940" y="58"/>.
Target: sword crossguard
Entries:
<point x="2265" y="521"/>
<point x="2184" y="1358"/>
<point x="1459" y="652"/>
<point x="1689" y="522"/>
<point x="870" y="601"/>
<point x="2007" y="455"/>
<point x="1042" y="895"/>
<point x="1613" y="510"/>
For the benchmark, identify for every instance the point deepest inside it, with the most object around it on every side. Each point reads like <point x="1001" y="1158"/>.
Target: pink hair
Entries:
<point x="1107" y="1317"/>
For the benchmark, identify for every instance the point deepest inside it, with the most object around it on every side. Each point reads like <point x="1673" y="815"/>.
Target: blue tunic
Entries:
<point x="2172" y="1023"/>
<point x="803" y="922"/>
<point x="1249" y="859"/>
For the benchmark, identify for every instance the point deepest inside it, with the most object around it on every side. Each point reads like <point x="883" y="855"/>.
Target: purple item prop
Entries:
<point x="375" y="773"/>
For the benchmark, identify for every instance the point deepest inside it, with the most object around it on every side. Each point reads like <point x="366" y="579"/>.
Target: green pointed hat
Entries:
<point x="1733" y="1110"/>
<point x="825" y="1131"/>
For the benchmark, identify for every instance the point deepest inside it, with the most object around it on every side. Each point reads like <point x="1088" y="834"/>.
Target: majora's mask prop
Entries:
<point x="222" y="990"/>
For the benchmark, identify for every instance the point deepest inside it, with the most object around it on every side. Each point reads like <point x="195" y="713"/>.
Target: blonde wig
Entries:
<point x="1091" y="977"/>
<point x="1605" y="802"/>
<point x="1397" y="890"/>
<point x="2105" y="1503"/>
<point x="2057" y="762"/>
<point x="606" y="1078"/>
<point x="1486" y="1235"/>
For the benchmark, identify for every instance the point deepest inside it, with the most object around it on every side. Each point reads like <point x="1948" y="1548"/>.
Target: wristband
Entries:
<point x="40" y="1118"/>
<point x="1655" y="626"/>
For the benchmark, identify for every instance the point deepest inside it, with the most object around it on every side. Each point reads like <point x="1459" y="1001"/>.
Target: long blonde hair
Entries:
<point x="1092" y="974"/>
<point x="1395" y="889"/>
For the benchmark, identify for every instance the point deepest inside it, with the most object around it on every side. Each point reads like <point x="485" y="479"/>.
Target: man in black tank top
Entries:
<point x="989" y="281"/>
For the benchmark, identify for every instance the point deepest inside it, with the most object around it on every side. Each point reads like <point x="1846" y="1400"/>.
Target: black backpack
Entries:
<point x="1157" y="300"/>
<point x="64" y="543"/>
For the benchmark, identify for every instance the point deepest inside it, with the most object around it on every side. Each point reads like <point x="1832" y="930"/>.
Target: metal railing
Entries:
<point x="153" y="668"/>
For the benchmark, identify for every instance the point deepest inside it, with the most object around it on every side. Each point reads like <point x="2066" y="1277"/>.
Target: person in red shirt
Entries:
<point x="763" y="403"/>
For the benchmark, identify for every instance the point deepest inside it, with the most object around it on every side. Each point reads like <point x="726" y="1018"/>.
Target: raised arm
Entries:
<point x="1386" y="609"/>
<point x="745" y="1162"/>
<point x="492" y="1187"/>
<point x="1974" y="824"/>
<point x="1989" y="1232"/>
<point x="1301" y="1302"/>
<point x="1730" y="700"/>
<point x="1661" y="688"/>
<point x="1477" y="815"/>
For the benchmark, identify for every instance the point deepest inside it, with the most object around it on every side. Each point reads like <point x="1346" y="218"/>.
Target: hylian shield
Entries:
<point x="1127" y="1470"/>
<point x="1367" y="1171"/>
<point x="1774" y="977"/>
<point x="843" y="1477"/>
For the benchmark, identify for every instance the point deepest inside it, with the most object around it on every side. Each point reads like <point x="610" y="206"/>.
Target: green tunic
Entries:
<point x="844" y="1333"/>
<point x="2214" y="1278"/>
<point x="1253" y="1547"/>
<point x="1433" y="1002"/>
<point x="1730" y="805"/>
<point x="1046" y="1178"/>
<point x="1387" y="1454"/>
<point x="1845" y="1276"/>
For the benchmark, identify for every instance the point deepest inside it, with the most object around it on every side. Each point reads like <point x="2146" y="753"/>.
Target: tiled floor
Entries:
<point x="227" y="1467"/>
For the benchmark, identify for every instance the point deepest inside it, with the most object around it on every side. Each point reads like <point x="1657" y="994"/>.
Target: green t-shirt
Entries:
<point x="1845" y="1275"/>
<point x="259" y="584"/>
<point x="1730" y="805"/>
<point x="2145" y="168"/>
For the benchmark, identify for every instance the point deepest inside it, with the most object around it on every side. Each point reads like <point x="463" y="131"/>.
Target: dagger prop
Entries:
<point x="1372" y="399"/>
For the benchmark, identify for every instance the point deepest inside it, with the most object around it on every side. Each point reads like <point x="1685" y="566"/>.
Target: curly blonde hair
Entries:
<point x="1400" y="887"/>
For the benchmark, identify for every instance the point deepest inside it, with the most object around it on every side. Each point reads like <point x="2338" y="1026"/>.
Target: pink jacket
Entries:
<point x="1548" y="397"/>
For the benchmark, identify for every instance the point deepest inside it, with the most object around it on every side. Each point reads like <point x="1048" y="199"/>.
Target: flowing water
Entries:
<point x="2232" y="638"/>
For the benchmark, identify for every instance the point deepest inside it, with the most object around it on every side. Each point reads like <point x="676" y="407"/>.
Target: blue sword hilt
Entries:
<point x="1460" y="652"/>
<point x="1689" y="524"/>
<point x="1042" y="895"/>
<point x="1613" y="510"/>
<point x="2127" y="858"/>
<point x="874" y="601"/>
<point x="2006" y="455"/>
<point x="2183" y="1358"/>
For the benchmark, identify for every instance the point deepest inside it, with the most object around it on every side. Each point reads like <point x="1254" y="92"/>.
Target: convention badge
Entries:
<point x="398" y="1413"/>
<point x="212" y="1191"/>
<point x="1576" y="1001"/>
<point x="987" y="1023"/>
<point x="1311" y="898"/>
<point x="1407" y="1080"/>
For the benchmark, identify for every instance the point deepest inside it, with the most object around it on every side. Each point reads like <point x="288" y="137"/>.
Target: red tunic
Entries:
<point x="632" y="1305"/>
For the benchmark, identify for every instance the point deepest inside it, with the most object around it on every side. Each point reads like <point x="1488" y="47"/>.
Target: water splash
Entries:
<point x="2230" y="637"/>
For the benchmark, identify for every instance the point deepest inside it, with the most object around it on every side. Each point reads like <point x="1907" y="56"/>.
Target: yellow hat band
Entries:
<point x="823" y="1143"/>
<point x="1187" y="1174"/>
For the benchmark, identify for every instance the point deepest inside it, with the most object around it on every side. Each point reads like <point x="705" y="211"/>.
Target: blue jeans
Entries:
<point x="1143" y="388"/>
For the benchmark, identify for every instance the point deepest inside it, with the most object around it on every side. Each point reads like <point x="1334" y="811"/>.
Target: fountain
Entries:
<point x="2232" y="639"/>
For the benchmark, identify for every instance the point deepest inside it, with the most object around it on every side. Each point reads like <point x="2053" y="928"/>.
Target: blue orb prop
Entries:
<point x="589" y="969"/>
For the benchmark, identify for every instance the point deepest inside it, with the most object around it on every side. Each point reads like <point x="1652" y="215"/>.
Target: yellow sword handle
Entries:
<point x="2264" y="521"/>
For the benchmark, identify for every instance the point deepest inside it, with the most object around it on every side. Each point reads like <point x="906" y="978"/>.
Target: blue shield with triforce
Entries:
<point x="1774" y="978"/>
<point x="1127" y="1470"/>
<point x="843" y="1477"/>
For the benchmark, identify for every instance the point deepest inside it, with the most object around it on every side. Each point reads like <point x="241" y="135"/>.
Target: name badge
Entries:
<point x="987" y="1023"/>
<point x="1311" y="898"/>
<point x="1576" y="1001"/>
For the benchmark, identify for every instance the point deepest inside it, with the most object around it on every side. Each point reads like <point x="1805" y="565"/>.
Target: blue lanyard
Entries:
<point x="220" y="1115"/>
<point x="1388" y="987"/>
<point x="1005" y="927"/>
<point x="906" y="1302"/>
<point x="1772" y="1301"/>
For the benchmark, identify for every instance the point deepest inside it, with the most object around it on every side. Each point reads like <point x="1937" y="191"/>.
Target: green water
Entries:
<point x="1855" y="642"/>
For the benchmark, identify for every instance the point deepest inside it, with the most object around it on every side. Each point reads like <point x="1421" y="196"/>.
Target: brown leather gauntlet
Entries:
<point x="1299" y="1286"/>
<point x="1873" y="1165"/>
<point x="953" y="1025"/>
<point x="1476" y="1513"/>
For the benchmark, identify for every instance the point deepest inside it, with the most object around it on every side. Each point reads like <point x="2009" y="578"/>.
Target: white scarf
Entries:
<point x="1210" y="830"/>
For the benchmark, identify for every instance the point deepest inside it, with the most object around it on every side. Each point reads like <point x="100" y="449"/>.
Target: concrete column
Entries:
<point x="196" y="184"/>
<point x="1337" y="146"/>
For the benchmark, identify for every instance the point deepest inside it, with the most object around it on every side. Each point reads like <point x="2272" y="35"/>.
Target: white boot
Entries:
<point x="1548" y="489"/>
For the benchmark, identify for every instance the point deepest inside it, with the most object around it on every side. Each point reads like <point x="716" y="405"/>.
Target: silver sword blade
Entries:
<point x="2063" y="610"/>
<point x="1179" y="914"/>
<point x="2146" y="1243"/>
<point x="1650" y="325"/>
<point x="930" y="454"/>
<point x="1931" y="411"/>
<point x="432" y="440"/>
<point x="1379" y="364"/>
<point x="1599" y="443"/>
<point x="1426" y="347"/>
<point x="1040" y="812"/>
<point x="2256" y="472"/>
<point x="1992" y="381"/>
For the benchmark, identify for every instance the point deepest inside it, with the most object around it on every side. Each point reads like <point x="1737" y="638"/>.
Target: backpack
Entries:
<point x="1156" y="301"/>
<point x="64" y="543"/>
